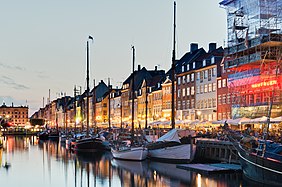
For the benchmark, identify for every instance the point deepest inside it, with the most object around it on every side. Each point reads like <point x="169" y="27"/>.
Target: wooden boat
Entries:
<point x="262" y="163"/>
<point x="90" y="144"/>
<point x="130" y="153"/>
<point x="134" y="150"/>
<point x="172" y="148"/>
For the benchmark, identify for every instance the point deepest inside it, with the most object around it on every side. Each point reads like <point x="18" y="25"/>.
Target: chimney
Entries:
<point x="156" y="68"/>
<point x="193" y="47"/>
<point x="12" y="104"/>
<point x="139" y="67"/>
<point x="212" y="47"/>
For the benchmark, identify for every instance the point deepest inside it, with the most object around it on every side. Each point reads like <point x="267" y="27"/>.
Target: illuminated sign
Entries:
<point x="263" y="84"/>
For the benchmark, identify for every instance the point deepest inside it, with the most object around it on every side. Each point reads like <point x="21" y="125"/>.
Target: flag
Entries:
<point x="90" y="37"/>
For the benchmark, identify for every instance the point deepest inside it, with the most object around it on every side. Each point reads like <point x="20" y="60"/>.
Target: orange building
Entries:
<point x="14" y="115"/>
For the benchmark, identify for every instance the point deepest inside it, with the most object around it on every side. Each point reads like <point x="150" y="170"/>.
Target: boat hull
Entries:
<point x="178" y="153"/>
<point x="89" y="145"/>
<point x="261" y="169"/>
<point x="134" y="153"/>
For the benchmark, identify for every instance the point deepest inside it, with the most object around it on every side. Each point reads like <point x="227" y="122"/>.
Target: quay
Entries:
<point x="217" y="150"/>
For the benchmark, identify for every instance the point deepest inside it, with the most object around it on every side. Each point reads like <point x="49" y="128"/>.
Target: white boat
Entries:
<point x="130" y="153"/>
<point x="171" y="148"/>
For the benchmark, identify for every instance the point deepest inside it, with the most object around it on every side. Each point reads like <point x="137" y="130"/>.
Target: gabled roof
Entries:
<point x="142" y="74"/>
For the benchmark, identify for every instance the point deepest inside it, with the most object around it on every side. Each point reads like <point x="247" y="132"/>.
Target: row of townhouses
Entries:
<point x="241" y="80"/>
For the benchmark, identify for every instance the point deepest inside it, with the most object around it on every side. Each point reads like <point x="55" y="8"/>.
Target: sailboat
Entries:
<point x="172" y="147"/>
<point x="133" y="150"/>
<point x="89" y="143"/>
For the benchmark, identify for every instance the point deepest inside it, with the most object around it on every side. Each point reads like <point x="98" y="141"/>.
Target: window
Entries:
<point x="219" y="84"/>
<point x="192" y="103"/>
<point x="183" y="68"/>
<point x="210" y="87"/>
<point x="213" y="60"/>
<point x="201" y="89"/>
<point x="192" y="77"/>
<point x="188" y="67"/>
<point x="201" y="76"/>
<point x="209" y="74"/>
<point x="179" y="80"/>
<point x="214" y="72"/>
<point x="188" y="91"/>
<point x="223" y="83"/>
<point x="214" y="87"/>
<point x="198" y="75"/>
<point x="219" y="116"/>
<point x="188" y="78"/>
<point x="219" y="99"/>
<point x="213" y="102"/>
<point x="206" y="88"/>
<point x="228" y="98"/>
<point x="192" y="90"/>
<point x="206" y="74"/>
<point x="178" y="93"/>
<point x="188" y="103"/>
<point x="194" y="65"/>
<point x="183" y="104"/>
<point x="223" y="99"/>
<point x="198" y="89"/>
<point x="204" y="63"/>
<point x="183" y="92"/>
<point x="209" y="103"/>
<point x="183" y="79"/>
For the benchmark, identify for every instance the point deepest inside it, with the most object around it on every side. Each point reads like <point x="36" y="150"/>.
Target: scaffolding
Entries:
<point x="253" y="55"/>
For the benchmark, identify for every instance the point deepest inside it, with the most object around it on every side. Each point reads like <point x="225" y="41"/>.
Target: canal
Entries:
<point x="26" y="161"/>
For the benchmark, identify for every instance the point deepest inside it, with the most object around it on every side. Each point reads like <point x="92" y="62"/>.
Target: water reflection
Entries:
<point x="48" y="163"/>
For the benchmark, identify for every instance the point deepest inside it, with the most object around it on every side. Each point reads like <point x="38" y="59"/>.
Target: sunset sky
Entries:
<point x="43" y="43"/>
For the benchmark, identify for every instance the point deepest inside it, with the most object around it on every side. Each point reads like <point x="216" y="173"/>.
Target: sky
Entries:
<point x="43" y="43"/>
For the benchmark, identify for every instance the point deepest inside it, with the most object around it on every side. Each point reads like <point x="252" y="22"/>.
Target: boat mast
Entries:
<point x="271" y="101"/>
<point x="146" y="107"/>
<point x="109" y="108"/>
<point x="132" y="94"/>
<point x="173" y="72"/>
<point x="87" y="89"/>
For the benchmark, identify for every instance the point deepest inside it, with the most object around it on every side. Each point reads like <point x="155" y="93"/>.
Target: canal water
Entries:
<point x="28" y="162"/>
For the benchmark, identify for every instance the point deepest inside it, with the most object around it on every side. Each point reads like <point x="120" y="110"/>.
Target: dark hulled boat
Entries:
<point x="44" y="135"/>
<point x="263" y="163"/>
<point x="90" y="144"/>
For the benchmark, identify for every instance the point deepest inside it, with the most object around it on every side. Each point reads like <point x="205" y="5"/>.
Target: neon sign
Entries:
<point x="263" y="84"/>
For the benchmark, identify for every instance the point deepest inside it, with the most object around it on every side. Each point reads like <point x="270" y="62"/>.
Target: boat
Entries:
<point x="175" y="146"/>
<point x="54" y="135"/>
<point x="261" y="160"/>
<point x="130" y="153"/>
<point x="134" y="148"/>
<point x="44" y="135"/>
<point x="89" y="143"/>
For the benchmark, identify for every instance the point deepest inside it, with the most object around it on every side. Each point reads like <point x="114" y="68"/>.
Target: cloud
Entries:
<point x="10" y="82"/>
<point x="12" y="67"/>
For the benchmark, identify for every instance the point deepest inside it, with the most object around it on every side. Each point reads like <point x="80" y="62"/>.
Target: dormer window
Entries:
<point x="188" y="67"/>
<point x="204" y="62"/>
<point x="183" y="68"/>
<point x="213" y="60"/>
<point x="194" y="65"/>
